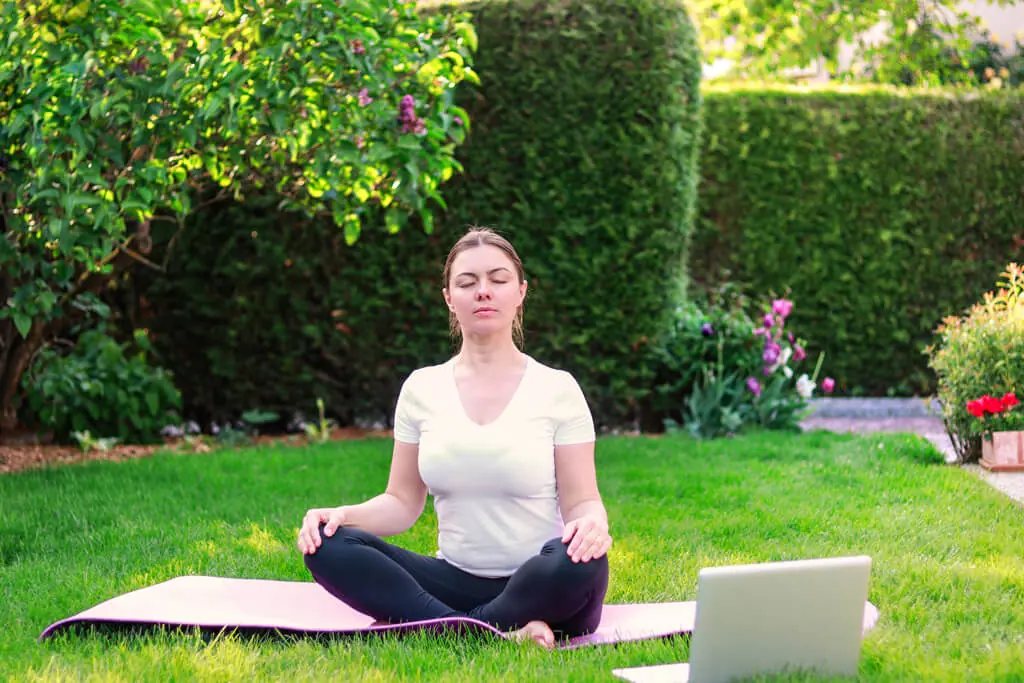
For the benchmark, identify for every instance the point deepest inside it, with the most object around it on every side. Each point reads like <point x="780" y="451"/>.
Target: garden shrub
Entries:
<point x="582" y="150"/>
<point x="114" y="115"/>
<point x="980" y="354"/>
<point x="882" y="211"/>
<point x="727" y="364"/>
<point x="103" y="387"/>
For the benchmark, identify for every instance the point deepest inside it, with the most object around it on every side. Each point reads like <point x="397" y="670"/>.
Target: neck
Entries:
<point x="489" y="354"/>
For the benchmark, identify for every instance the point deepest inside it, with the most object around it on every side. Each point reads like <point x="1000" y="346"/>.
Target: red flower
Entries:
<point x="991" y="404"/>
<point x="975" y="408"/>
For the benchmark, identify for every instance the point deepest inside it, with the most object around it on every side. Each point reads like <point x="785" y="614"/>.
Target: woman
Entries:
<point x="505" y="445"/>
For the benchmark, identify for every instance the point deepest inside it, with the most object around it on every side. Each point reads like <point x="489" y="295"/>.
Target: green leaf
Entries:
<point x="152" y="401"/>
<point x="394" y="220"/>
<point x="23" y="323"/>
<point x="467" y="32"/>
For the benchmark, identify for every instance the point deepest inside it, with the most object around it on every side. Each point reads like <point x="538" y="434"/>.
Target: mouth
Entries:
<point x="485" y="310"/>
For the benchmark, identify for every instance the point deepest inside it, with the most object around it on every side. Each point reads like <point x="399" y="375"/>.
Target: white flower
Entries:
<point x="804" y="386"/>
<point x="784" y="356"/>
<point x="787" y="371"/>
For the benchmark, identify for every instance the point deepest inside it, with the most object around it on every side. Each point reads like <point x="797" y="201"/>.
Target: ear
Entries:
<point x="522" y="291"/>
<point x="447" y="297"/>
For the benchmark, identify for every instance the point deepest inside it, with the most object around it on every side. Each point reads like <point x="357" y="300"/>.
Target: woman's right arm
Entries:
<point x="397" y="509"/>
<point x="388" y="514"/>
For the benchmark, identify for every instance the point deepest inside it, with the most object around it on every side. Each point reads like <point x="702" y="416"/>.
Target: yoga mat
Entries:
<point x="305" y="607"/>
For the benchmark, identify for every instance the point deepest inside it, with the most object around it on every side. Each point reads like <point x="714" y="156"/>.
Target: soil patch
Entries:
<point x="24" y="453"/>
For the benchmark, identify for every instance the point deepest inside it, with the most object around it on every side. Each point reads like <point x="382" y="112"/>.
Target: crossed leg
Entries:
<point x="392" y="584"/>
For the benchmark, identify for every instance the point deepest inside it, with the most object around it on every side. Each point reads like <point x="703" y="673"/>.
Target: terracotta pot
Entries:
<point x="1003" y="451"/>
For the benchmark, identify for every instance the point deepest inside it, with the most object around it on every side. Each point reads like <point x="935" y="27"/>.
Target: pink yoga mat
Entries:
<point x="305" y="607"/>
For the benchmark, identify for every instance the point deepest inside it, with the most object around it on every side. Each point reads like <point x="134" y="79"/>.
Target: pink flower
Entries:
<point x="364" y="97"/>
<point x="754" y="386"/>
<point x="782" y="307"/>
<point x="828" y="384"/>
<point x="798" y="353"/>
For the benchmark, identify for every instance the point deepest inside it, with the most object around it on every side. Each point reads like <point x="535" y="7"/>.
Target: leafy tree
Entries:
<point x="924" y="38"/>
<point x="114" y="114"/>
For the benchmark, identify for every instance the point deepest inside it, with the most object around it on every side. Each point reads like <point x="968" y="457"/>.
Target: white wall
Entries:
<point x="1003" y="22"/>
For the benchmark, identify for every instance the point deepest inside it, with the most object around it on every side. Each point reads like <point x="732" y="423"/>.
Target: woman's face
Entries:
<point x="484" y="290"/>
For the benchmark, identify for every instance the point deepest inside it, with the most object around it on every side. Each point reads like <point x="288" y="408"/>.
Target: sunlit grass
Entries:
<point x="948" y="555"/>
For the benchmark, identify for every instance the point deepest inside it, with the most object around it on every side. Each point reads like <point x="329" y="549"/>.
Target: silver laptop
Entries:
<point x="772" y="617"/>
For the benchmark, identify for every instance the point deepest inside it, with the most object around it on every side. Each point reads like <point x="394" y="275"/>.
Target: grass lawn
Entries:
<point x="948" y="554"/>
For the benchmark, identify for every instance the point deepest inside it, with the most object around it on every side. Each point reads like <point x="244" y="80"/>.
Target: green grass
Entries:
<point x="948" y="554"/>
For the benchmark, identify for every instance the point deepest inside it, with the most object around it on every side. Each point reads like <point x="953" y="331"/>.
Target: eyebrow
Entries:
<point x="491" y="271"/>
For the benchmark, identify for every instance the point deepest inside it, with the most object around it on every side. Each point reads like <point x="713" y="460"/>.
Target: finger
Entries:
<point x="309" y="538"/>
<point x="584" y="536"/>
<point x="602" y="548"/>
<point x="583" y="530"/>
<point x="570" y="529"/>
<point x="593" y="550"/>
<point x="310" y="529"/>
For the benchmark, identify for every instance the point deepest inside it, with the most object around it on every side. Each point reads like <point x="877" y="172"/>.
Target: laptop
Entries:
<point x="770" y="618"/>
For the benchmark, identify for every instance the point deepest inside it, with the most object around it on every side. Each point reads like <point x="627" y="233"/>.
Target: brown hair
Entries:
<point x="477" y="237"/>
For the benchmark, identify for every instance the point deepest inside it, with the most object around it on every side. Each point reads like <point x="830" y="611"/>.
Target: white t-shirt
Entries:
<point x="493" y="485"/>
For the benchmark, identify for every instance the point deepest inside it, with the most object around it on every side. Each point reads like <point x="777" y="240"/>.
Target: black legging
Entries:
<point x="392" y="584"/>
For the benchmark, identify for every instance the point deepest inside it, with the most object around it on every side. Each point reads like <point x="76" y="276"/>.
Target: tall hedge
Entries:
<point x="585" y="131"/>
<point x="883" y="211"/>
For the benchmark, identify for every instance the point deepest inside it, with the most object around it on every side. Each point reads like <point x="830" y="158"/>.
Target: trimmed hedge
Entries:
<point x="583" y="148"/>
<point x="883" y="211"/>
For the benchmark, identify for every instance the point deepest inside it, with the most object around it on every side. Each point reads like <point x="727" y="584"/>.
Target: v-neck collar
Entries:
<point x="512" y="400"/>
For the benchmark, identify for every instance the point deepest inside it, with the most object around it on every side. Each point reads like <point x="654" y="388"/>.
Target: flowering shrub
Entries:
<point x="779" y="402"/>
<point x="719" y="369"/>
<point x="711" y="330"/>
<point x="978" y="357"/>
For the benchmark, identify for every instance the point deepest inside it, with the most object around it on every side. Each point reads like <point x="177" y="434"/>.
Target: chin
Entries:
<point x="488" y="328"/>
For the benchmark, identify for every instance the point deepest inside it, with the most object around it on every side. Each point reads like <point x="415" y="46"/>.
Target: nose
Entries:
<point x="483" y="290"/>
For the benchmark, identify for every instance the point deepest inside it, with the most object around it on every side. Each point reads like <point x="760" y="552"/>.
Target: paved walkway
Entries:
<point x="931" y="428"/>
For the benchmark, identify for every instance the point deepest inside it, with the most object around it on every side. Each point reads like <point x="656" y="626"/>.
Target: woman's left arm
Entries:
<point x="586" y="520"/>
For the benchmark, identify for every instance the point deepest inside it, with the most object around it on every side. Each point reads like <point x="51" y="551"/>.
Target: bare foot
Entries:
<point x="537" y="631"/>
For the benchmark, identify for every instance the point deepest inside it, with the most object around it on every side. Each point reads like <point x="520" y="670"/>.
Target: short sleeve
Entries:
<point x="407" y="428"/>
<point x="575" y="423"/>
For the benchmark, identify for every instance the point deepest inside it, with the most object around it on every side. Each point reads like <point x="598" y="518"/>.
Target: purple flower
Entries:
<point x="754" y="386"/>
<point x="828" y="384"/>
<point x="791" y="340"/>
<point x="782" y="307"/>
<point x="407" y="117"/>
<point x="357" y="47"/>
<point x="364" y="97"/>
<point x="771" y="353"/>
<point x="707" y="330"/>
<point x="768" y="321"/>
<point x="798" y="353"/>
